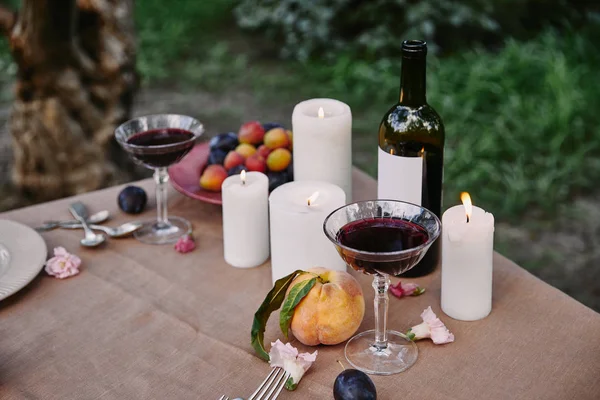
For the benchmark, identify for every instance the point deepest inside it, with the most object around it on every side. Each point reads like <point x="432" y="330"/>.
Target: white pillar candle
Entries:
<point x="323" y="143"/>
<point x="246" y="219"/>
<point x="297" y="211"/>
<point x="467" y="254"/>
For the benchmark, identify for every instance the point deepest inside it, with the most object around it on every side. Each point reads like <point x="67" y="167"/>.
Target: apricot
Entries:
<point x="233" y="159"/>
<point x="246" y="150"/>
<point x="251" y="132"/>
<point x="332" y="310"/>
<point x="212" y="178"/>
<point x="279" y="159"/>
<point x="256" y="163"/>
<point x="276" y="138"/>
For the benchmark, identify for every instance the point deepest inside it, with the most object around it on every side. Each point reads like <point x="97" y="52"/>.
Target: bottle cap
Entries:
<point x="414" y="49"/>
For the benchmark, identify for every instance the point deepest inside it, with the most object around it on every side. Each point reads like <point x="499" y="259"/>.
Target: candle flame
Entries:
<point x="313" y="197"/>
<point x="466" y="200"/>
<point x="243" y="176"/>
<point x="321" y="113"/>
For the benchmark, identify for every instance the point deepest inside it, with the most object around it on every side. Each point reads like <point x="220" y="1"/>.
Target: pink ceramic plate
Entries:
<point x="185" y="175"/>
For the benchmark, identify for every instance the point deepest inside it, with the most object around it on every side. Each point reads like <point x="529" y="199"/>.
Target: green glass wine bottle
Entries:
<point x="411" y="147"/>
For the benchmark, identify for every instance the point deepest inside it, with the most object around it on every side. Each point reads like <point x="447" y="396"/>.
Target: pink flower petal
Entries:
<point x="406" y="289"/>
<point x="185" y="244"/>
<point x="63" y="264"/>
<point x="60" y="251"/>
<point x="428" y="315"/>
<point x="286" y="356"/>
<point x="431" y="327"/>
<point x="280" y="352"/>
<point x="306" y="359"/>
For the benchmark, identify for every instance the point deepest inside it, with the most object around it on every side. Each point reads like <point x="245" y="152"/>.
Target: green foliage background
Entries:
<point x="375" y="27"/>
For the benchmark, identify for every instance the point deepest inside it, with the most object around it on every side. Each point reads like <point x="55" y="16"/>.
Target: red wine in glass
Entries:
<point x="380" y="235"/>
<point x="161" y="147"/>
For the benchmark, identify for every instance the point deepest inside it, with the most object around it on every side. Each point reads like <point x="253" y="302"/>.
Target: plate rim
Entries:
<point x="16" y="284"/>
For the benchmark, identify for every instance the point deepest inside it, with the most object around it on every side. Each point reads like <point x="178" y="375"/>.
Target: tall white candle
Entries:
<point x="246" y="219"/>
<point x="323" y="142"/>
<point x="298" y="210"/>
<point x="467" y="253"/>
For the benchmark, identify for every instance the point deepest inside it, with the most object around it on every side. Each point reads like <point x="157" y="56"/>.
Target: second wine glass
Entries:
<point x="158" y="141"/>
<point x="381" y="238"/>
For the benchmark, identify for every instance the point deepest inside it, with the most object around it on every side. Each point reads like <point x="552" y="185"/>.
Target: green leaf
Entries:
<point x="290" y="385"/>
<point x="418" y="291"/>
<point x="271" y="303"/>
<point x="298" y="292"/>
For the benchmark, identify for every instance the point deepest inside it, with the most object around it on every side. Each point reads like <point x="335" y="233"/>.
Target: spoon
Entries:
<point x="96" y="218"/>
<point x="80" y="213"/>
<point x="117" y="232"/>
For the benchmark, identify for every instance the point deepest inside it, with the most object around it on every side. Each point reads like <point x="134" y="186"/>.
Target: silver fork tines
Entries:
<point x="223" y="398"/>
<point x="271" y="386"/>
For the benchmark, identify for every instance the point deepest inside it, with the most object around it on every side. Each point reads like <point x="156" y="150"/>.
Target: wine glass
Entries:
<point x="158" y="141"/>
<point x="381" y="238"/>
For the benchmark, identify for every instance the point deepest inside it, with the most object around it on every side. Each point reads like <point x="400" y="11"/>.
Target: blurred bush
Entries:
<point x="377" y="27"/>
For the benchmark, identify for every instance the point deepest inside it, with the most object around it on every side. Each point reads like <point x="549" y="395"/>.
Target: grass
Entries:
<point x="166" y="32"/>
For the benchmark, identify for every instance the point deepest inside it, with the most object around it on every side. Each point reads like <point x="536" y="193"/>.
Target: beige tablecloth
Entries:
<point x="144" y="322"/>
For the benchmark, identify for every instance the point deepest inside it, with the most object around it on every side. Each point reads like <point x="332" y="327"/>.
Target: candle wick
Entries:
<point x="467" y="219"/>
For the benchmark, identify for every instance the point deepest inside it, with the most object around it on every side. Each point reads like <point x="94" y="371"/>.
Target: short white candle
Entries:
<point x="467" y="254"/>
<point x="246" y="219"/>
<point x="323" y="142"/>
<point x="297" y="237"/>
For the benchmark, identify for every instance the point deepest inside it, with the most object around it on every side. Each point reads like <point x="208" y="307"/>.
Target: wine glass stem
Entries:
<point x="161" y="177"/>
<point x="381" y="284"/>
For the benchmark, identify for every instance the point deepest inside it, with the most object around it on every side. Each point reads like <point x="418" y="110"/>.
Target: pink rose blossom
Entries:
<point x="431" y="327"/>
<point x="63" y="264"/>
<point x="407" y="289"/>
<point x="185" y="244"/>
<point x="287" y="357"/>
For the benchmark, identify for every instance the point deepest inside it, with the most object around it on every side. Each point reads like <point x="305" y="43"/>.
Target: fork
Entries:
<point x="271" y="386"/>
<point x="274" y="381"/>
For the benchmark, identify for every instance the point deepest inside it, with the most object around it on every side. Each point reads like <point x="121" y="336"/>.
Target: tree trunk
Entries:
<point x="75" y="83"/>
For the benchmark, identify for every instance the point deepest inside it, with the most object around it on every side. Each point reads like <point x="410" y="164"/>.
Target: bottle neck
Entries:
<point x="412" y="82"/>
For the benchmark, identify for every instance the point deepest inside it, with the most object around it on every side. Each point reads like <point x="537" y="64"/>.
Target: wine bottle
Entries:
<point x="411" y="147"/>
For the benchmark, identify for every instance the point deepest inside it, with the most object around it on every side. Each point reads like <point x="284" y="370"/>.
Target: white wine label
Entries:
<point x="399" y="178"/>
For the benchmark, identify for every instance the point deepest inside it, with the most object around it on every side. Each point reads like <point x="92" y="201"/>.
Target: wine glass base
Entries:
<point x="400" y="354"/>
<point x="153" y="233"/>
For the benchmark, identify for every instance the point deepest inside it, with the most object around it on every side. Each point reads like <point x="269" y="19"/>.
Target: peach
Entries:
<point x="331" y="312"/>
<point x="251" y="132"/>
<point x="256" y="163"/>
<point x="233" y="159"/>
<point x="212" y="178"/>
<point x="279" y="159"/>
<point x="276" y="138"/>
<point x="246" y="150"/>
<point x="264" y="151"/>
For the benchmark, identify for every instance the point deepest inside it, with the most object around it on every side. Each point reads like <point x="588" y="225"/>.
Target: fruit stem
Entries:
<point x="321" y="280"/>
<point x="343" y="368"/>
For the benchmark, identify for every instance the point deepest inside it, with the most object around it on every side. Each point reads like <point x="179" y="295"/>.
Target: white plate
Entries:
<point x="23" y="254"/>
